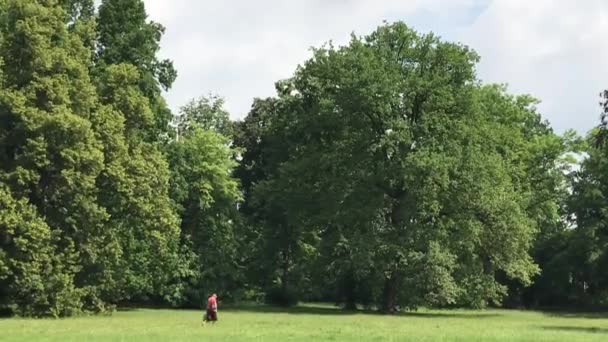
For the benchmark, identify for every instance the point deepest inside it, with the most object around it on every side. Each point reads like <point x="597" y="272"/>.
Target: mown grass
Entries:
<point x="312" y="323"/>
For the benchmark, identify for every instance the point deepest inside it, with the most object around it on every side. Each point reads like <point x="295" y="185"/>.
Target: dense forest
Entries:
<point x="384" y="174"/>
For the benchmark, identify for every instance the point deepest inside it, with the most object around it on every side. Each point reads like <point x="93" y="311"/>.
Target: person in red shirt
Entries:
<point x="211" y="315"/>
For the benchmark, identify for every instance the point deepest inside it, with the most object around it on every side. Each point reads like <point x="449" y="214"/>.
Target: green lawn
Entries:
<point x="312" y="323"/>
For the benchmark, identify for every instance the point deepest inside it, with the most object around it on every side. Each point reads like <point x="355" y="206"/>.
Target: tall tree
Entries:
<point x="50" y="158"/>
<point x="539" y="163"/>
<point x="386" y="140"/>
<point x="135" y="180"/>
<point x="206" y="195"/>
<point x="579" y="273"/>
<point x="126" y="36"/>
<point x="132" y="118"/>
<point x="572" y="251"/>
<point x="601" y="137"/>
<point x="275" y="262"/>
<point x="587" y="252"/>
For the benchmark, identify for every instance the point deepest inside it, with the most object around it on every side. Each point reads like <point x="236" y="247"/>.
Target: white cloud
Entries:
<point x="551" y="49"/>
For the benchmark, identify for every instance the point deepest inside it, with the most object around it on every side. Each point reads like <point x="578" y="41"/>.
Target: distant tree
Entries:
<point x="585" y="257"/>
<point x="206" y="113"/>
<point x="206" y="195"/>
<point x="603" y="132"/>
<point x="277" y="260"/>
<point x="78" y="9"/>
<point x="604" y="106"/>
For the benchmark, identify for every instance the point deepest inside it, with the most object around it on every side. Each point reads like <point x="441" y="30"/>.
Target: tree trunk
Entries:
<point x="285" y="269"/>
<point x="390" y="294"/>
<point x="398" y="217"/>
<point x="348" y="292"/>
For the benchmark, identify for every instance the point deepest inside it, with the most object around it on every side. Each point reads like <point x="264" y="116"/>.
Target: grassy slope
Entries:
<point x="312" y="324"/>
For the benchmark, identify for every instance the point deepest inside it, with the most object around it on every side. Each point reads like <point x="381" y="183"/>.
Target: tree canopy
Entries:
<point x="394" y="149"/>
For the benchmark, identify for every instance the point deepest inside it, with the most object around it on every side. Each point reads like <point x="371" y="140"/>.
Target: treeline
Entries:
<point x="383" y="174"/>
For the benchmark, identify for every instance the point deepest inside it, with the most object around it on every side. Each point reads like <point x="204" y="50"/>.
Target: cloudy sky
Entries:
<point x="553" y="49"/>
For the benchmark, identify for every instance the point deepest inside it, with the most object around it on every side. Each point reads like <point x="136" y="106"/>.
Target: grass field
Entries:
<point x="312" y="323"/>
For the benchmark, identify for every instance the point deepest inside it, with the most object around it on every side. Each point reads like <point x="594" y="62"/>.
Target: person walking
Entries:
<point x="211" y="313"/>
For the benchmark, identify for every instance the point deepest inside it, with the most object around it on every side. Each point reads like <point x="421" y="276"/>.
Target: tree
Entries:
<point x="80" y="17"/>
<point x="34" y="276"/>
<point x="601" y="136"/>
<point x="570" y="250"/>
<point x="258" y="144"/>
<point x="78" y="9"/>
<point x="206" y="195"/>
<point x="132" y="120"/>
<point x="587" y="252"/>
<point x="49" y="160"/>
<point x="206" y="113"/>
<point x="540" y="164"/>
<point x="135" y="180"/>
<point x="125" y="36"/>
<point x="582" y="278"/>
<point x="80" y="157"/>
<point x="386" y="139"/>
<point x="277" y="259"/>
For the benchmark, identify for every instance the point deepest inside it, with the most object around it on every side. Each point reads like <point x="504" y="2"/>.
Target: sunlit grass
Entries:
<point x="312" y="323"/>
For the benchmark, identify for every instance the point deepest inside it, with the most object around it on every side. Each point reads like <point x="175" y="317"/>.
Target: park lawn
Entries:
<point x="312" y="323"/>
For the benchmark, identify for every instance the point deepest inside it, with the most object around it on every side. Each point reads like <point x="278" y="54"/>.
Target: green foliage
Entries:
<point x="383" y="174"/>
<point x="78" y="9"/>
<point x="136" y="189"/>
<point x="50" y="158"/>
<point x="571" y="250"/>
<point x="390" y="141"/>
<point x="34" y="278"/>
<point x="206" y="196"/>
<point x="125" y="36"/>
<point x="79" y="167"/>
<point x="206" y="113"/>
<point x="585" y="258"/>
<point x="604" y="115"/>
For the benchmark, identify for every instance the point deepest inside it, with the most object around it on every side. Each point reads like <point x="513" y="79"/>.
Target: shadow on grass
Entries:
<point x="297" y="310"/>
<point x="336" y="311"/>
<point x="449" y="314"/>
<point x="575" y="314"/>
<point x="595" y="330"/>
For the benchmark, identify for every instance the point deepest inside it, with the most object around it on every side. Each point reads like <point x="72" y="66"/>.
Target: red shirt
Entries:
<point x="212" y="303"/>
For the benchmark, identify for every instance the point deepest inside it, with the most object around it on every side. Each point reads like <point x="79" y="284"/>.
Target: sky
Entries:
<point x="554" y="50"/>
